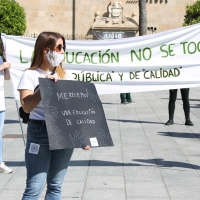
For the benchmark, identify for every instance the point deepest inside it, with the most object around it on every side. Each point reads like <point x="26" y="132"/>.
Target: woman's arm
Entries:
<point x="29" y="99"/>
<point x="6" y="74"/>
<point x="6" y="66"/>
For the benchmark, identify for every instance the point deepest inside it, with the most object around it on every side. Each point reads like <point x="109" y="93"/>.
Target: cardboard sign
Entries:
<point x="74" y="115"/>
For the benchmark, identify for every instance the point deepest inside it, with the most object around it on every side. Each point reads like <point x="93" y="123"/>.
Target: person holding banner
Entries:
<point x="186" y="106"/>
<point x="41" y="163"/>
<point x="4" y="75"/>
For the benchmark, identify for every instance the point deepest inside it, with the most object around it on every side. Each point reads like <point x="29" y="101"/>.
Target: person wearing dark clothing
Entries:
<point x="126" y="98"/>
<point x="186" y="106"/>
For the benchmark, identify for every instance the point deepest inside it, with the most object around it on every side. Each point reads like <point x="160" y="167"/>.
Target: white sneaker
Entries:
<point x="4" y="168"/>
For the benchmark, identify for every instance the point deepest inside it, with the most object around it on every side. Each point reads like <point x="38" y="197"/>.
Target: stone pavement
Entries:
<point x="150" y="161"/>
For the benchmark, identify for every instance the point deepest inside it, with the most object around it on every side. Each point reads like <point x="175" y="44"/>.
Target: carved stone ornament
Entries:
<point x="115" y="20"/>
<point x="115" y="10"/>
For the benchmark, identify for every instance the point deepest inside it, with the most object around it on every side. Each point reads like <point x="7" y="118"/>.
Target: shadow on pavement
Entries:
<point x="110" y="103"/>
<point x="80" y="163"/>
<point x="99" y="163"/>
<point x="179" y="99"/>
<point x="9" y="97"/>
<point x="8" y="121"/>
<point x="15" y="163"/>
<point x="145" y="162"/>
<point x="134" y="121"/>
<point x="196" y="106"/>
<point x="164" y="163"/>
<point x="181" y="135"/>
<point x="194" y="99"/>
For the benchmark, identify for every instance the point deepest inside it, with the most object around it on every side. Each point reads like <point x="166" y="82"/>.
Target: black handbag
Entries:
<point x="24" y="115"/>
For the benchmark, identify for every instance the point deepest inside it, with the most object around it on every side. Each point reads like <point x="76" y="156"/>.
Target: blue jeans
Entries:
<point x="2" y="118"/>
<point x="44" y="165"/>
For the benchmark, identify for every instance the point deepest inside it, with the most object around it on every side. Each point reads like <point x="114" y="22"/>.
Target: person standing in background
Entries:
<point x="126" y="98"/>
<point x="186" y="106"/>
<point x="4" y="75"/>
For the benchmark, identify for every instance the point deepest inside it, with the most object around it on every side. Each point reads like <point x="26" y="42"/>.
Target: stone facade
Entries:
<point x="57" y="15"/>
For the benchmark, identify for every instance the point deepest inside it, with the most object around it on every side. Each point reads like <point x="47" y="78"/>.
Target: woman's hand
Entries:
<point x="86" y="148"/>
<point x="55" y="79"/>
<point x="5" y="65"/>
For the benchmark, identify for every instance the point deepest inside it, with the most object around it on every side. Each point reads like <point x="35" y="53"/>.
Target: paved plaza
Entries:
<point x="149" y="161"/>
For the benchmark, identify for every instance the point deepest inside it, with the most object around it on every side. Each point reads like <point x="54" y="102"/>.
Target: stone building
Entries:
<point x="75" y="18"/>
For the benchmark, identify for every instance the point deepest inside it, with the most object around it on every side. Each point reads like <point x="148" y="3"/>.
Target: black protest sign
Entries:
<point x="74" y="115"/>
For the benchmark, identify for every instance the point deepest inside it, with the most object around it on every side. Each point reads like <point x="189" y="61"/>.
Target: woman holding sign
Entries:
<point x="41" y="163"/>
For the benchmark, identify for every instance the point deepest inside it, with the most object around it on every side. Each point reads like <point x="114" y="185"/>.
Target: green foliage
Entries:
<point x="1" y="48"/>
<point x="192" y="15"/>
<point x="12" y="18"/>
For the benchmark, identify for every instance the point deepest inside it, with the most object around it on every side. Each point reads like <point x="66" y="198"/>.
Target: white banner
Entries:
<point x="160" y="61"/>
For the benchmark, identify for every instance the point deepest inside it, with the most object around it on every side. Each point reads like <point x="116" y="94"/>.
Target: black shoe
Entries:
<point x="130" y="102"/>
<point x="170" y="122"/>
<point x="188" y="122"/>
<point x="124" y="102"/>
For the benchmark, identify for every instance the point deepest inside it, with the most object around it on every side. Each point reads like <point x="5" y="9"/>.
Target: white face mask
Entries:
<point x="55" y="58"/>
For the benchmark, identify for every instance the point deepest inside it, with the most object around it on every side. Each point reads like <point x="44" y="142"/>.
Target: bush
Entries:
<point x="12" y="18"/>
<point x="1" y="48"/>
<point x="192" y="15"/>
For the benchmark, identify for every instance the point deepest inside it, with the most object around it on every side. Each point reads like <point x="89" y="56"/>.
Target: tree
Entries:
<point x="12" y="18"/>
<point x="142" y="17"/>
<point x="192" y="15"/>
<point x="1" y="49"/>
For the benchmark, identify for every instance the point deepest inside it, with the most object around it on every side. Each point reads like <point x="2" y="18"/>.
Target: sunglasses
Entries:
<point x="60" y="47"/>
